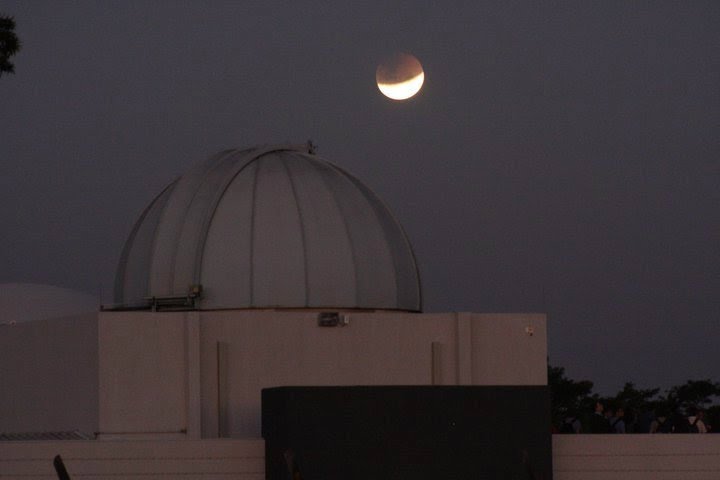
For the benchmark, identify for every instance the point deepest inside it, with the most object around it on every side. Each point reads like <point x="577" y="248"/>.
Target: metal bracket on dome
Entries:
<point x="177" y="302"/>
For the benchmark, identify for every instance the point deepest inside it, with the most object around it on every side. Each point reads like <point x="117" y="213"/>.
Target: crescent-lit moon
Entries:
<point x="400" y="76"/>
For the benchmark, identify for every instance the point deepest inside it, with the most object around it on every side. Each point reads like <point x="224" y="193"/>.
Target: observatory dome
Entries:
<point x="269" y="227"/>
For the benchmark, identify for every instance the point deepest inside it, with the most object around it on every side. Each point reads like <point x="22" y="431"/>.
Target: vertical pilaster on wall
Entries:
<point x="436" y="363"/>
<point x="222" y="388"/>
<point x="464" y="348"/>
<point x="192" y="348"/>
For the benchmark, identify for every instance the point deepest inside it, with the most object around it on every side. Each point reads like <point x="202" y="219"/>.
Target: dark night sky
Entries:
<point x="561" y="157"/>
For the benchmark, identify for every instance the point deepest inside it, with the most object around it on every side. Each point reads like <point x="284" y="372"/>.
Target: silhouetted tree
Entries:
<point x="636" y="399"/>
<point x="569" y="397"/>
<point x="636" y="403"/>
<point x="9" y="44"/>
<point x="712" y="418"/>
<point x="693" y="393"/>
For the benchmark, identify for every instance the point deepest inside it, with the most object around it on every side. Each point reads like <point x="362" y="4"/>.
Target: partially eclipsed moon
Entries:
<point x="400" y="76"/>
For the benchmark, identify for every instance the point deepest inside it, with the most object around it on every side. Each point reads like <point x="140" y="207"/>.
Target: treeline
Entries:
<point x="574" y="400"/>
<point x="9" y="44"/>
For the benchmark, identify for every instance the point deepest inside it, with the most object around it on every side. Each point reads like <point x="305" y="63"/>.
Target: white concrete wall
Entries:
<point x="137" y="460"/>
<point x="636" y="457"/>
<point x="575" y="457"/>
<point x="509" y="349"/>
<point x="143" y="370"/>
<point x="201" y="373"/>
<point x="49" y="375"/>
<point x="145" y="375"/>
<point x="269" y="349"/>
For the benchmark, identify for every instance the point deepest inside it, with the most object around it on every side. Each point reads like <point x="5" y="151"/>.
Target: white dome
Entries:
<point x="269" y="227"/>
<point x="25" y="302"/>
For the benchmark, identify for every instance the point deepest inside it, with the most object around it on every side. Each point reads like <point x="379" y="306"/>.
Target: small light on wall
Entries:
<point x="530" y="330"/>
<point x="332" y="319"/>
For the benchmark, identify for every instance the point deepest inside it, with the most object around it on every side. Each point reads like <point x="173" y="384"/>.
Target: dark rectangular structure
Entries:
<point x="407" y="432"/>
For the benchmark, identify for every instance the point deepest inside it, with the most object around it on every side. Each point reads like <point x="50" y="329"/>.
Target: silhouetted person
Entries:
<point x="617" y="421"/>
<point x="662" y="424"/>
<point x="631" y="420"/>
<point x="695" y="419"/>
<point x="597" y="422"/>
<point x="571" y="424"/>
<point x="700" y="422"/>
<point x="645" y="422"/>
<point x="679" y="423"/>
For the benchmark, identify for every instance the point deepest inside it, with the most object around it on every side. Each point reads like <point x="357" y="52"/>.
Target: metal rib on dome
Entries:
<point x="270" y="228"/>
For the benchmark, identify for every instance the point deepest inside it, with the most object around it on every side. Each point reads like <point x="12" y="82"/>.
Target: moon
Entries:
<point x="400" y="76"/>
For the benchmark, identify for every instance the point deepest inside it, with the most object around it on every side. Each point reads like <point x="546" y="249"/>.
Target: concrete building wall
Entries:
<point x="636" y="457"/>
<point x="168" y="376"/>
<point x="575" y="457"/>
<point x="201" y="373"/>
<point x="49" y="375"/>
<point x="137" y="460"/>
<point x="268" y="349"/>
<point x="143" y="374"/>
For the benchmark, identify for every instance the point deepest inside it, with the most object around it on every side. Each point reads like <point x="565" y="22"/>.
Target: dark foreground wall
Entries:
<point x="407" y="432"/>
